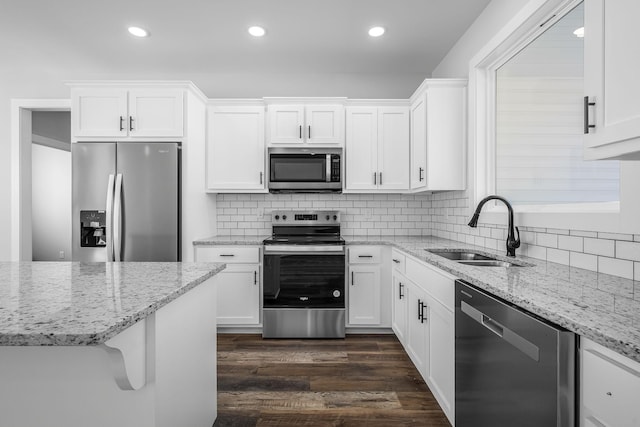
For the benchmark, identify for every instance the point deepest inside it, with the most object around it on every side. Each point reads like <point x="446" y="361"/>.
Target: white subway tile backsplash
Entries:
<point x="547" y="240"/>
<point x="557" y="255"/>
<point x="616" y="236"/>
<point x="571" y="243"/>
<point x="616" y="267"/>
<point x="537" y="252"/>
<point x="599" y="247"/>
<point x="628" y="250"/>
<point x="586" y="261"/>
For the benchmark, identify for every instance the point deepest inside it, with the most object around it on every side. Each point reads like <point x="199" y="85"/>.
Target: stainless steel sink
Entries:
<point x="460" y="255"/>
<point x="473" y="258"/>
<point x="489" y="263"/>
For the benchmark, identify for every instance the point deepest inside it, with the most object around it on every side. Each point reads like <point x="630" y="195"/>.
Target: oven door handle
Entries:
<point x="302" y="249"/>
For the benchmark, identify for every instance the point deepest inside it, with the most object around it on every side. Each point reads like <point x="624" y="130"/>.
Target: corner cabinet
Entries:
<point x="235" y="159"/>
<point x="611" y="83"/>
<point x="305" y="124"/>
<point x="115" y="113"/>
<point x="377" y="149"/>
<point x="438" y="135"/>
<point x="239" y="285"/>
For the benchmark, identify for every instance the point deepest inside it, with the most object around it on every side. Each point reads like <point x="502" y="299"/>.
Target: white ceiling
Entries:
<point x="206" y="37"/>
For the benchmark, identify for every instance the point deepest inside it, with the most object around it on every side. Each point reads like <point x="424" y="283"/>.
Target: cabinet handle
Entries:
<point x="130" y="123"/>
<point x="587" y="104"/>
<point x="421" y="307"/>
<point x="121" y="123"/>
<point x="397" y="261"/>
<point x="309" y="131"/>
<point x="400" y="294"/>
<point x="365" y="256"/>
<point x="300" y="131"/>
<point x="261" y="173"/>
<point x="227" y="255"/>
<point x="375" y="178"/>
<point x="255" y="278"/>
<point x="380" y="178"/>
<point x="420" y="177"/>
<point x="352" y="278"/>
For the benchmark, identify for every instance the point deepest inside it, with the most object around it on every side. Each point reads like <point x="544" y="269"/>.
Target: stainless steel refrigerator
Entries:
<point x="126" y="201"/>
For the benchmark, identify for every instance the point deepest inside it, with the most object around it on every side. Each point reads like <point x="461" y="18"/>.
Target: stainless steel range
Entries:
<point x="304" y="276"/>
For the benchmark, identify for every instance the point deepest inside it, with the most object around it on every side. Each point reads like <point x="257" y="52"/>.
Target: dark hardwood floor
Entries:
<point x="363" y="380"/>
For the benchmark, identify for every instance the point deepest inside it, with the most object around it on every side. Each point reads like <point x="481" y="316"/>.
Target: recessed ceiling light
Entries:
<point x="376" y="31"/>
<point x="257" y="31"/>
<point x="579" y="32"/>
<point x="138" y="32"/>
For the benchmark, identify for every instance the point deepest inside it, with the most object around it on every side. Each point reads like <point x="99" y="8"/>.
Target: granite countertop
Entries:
<point x="601" y="307"/>
<point x="74" y="303"/>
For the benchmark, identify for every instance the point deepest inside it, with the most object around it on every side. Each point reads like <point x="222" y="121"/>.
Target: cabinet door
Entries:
<point x="324" y="124"/>
<point x="362" y="148"/>
<point x="611" y="69"/>
<point x="239" y="295"/>
<point x="286" y="124"/>
<point x="393" y="148"/>
<point x="446" y="137"/>
<point x="156" y="113"/>
<point x="417" y="328"/>
<point x="99" y="113"/>
<point x="399" y="308"/>
<point x="364" y="295"/>
<point x="441" y="354"/>
<point x="418" y="137"/>
<point x="235" y="149"/>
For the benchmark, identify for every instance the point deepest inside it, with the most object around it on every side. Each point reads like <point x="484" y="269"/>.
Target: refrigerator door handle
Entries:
<point x="109" y="225"/>
<point x="117" y="219"/>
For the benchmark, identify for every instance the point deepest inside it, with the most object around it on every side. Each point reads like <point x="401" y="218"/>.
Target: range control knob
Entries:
<point x="335" y="217"/>
<point x="284" y="217"/>
<point x="327" y="217"/>
<point x="277" y="217"/>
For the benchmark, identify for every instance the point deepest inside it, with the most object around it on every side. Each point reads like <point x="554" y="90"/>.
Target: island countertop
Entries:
<point x="79" y="303"/>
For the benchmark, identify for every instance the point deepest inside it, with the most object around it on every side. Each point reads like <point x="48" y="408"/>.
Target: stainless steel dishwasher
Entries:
<point x="511" y="367"/>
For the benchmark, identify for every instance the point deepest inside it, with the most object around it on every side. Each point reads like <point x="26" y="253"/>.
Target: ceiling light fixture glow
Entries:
<point x="257" y="31"/>
<point x="376" y="31"/>
<point x="138" y="32"/>
<point x="579" y="32"/>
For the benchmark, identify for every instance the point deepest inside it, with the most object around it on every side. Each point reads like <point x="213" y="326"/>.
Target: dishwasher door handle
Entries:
<point x="519" y="342"/>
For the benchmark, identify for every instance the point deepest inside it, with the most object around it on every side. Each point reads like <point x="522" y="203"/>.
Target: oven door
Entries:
<point x="299" y="277"/>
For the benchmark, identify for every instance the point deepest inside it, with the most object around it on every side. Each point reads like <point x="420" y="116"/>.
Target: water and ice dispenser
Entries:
<point x="93" y="229"/>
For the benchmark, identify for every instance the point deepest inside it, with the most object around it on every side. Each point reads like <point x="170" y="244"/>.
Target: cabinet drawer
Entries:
<point x="364" y="255"/>
<point x="228" y="254"/>
<point x="398" y="260"/>
<point x="610" y="387"/>
<point x="439" y="285"/>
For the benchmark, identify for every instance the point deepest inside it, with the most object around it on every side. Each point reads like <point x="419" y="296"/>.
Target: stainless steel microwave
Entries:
<point x="305" y="170"/>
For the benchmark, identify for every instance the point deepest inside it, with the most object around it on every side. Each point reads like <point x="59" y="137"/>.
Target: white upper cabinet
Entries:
<point x="235" y="149"/>
<point x="313" y="125"/>
<point x="115" y="113"/>
<point x="611" y="69"/>
<point x="377" y="149"/>
<point x="438" y="135"/>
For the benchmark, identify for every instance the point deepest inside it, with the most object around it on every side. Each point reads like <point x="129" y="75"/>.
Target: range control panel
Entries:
<point x="305" y="217"/>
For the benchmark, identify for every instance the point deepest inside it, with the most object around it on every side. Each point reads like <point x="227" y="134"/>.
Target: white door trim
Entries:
<point x="21" y="166"/>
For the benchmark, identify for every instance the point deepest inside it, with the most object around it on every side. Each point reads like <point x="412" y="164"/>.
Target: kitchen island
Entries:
<point x="105" y="344"/>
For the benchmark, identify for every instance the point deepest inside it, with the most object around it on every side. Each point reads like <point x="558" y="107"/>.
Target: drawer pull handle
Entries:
<point x="227" y="255"/>
<point x="365" y="256"/>
<point x="397" y="261"/>
<point x="609" y="393"/>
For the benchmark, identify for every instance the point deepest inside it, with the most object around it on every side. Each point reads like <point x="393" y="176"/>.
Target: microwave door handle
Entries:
<point x="328" y="168"/>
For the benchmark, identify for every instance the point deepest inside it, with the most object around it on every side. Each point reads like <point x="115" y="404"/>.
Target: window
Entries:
<point x="539" y="119"/>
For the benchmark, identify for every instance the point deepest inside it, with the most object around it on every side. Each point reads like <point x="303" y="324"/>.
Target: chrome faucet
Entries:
<point x="512" y="242"/>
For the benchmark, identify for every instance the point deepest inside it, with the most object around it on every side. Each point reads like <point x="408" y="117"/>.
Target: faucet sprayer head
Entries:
<point x="474" y="220"/>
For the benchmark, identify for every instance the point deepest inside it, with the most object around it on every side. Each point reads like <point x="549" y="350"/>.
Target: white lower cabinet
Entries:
<point x="239" y="288"/>
<point x="609" y="387"/>
<point x="423" y="320"/>
<point x="368" y="287"/>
